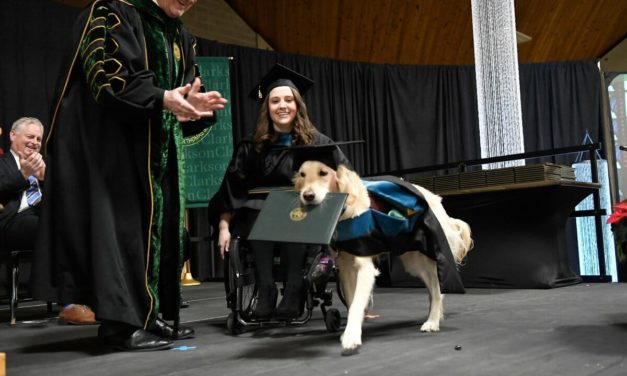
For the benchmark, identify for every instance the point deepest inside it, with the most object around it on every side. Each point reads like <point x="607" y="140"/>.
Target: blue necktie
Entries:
<point x="33" y="196"/>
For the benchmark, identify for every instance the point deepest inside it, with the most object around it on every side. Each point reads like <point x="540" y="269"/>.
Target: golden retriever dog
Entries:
<point x="357" y="273"/>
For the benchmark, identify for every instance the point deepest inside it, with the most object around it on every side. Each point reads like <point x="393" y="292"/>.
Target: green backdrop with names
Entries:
<point x="207" y="154"/>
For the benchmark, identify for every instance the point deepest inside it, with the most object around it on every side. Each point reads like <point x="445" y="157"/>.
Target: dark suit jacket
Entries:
<point x="12" y="184"/>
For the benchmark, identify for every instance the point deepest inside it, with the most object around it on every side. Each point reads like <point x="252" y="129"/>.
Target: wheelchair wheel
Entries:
<point x="333" y="320"/>
<point x="239" y="279"/>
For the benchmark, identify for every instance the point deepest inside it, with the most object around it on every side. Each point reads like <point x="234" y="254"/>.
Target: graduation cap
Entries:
<point x="280" y="75"/>
<point x="329" y="154"/>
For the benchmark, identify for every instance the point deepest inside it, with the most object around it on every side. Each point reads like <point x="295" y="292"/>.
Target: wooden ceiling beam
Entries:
<point x="431" y="32"/>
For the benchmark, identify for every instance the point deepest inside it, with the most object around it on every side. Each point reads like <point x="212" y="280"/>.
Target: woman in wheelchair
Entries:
<point x="266" y="161"/>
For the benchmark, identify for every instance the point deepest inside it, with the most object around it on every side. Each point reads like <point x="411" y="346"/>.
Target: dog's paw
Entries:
<point x="351" y="341"/>
<point x="430" y="326"/>
<point x="350" y="348"/>
<point x="347" y="352"/>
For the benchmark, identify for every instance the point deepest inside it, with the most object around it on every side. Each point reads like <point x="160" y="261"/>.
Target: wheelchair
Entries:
<point x="241" y="289"/>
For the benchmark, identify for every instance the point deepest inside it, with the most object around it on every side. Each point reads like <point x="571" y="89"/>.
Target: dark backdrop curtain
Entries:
<point x="560" y="103"/>
<point x="34" y="35"/>
<point x="412" y="116"/>
<point x="409" y="115"/>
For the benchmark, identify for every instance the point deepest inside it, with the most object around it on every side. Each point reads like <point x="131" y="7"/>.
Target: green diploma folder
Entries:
<point x="284" y="219"/>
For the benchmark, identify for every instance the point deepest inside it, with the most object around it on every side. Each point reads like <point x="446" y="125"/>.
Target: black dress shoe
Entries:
<point x="138" y="340"/>
<point x="165" y="330"/>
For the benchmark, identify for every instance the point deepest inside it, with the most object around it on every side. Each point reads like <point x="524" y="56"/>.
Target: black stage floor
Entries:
<point x="575" y="330"/>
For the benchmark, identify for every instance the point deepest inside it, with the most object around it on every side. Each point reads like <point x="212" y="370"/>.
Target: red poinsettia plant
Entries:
<point x="619" y="211"/>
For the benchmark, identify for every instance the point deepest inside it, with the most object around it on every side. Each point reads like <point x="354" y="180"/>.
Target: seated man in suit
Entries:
<point x="21" y="173"/>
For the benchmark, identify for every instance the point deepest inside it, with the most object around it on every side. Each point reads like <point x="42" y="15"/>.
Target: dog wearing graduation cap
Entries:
<point x="384" y="214"/>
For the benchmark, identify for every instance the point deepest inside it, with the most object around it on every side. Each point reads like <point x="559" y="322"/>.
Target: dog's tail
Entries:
<point x="465" y="243"/>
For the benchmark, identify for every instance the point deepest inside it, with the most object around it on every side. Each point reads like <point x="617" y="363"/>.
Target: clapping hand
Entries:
<point x="32" y="164"/>
<point x="206" y="103"/>
<point x="189" y="104"/>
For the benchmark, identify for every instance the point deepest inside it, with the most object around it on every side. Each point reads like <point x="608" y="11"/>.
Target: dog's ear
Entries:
<point x="343" y="178"/>
<point x="347" y="178"/>
<point x="350" y="183"/>
<point x="297" y="181"/>
<point x="346" y="183"/>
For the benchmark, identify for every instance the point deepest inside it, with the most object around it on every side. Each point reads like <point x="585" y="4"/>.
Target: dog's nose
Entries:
<point x="309" y="196"/>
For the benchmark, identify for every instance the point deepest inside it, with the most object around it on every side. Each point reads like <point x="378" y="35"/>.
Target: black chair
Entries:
<point x="12" y="258"/>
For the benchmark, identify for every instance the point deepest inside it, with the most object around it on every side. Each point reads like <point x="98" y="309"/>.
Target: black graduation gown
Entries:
<point x="111" y="226"/>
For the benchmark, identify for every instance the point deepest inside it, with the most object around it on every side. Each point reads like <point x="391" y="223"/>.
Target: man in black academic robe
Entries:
<point x="112" y="225"/>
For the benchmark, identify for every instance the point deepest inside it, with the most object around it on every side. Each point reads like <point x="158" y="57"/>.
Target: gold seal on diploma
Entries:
<point x="298" y="214"/>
